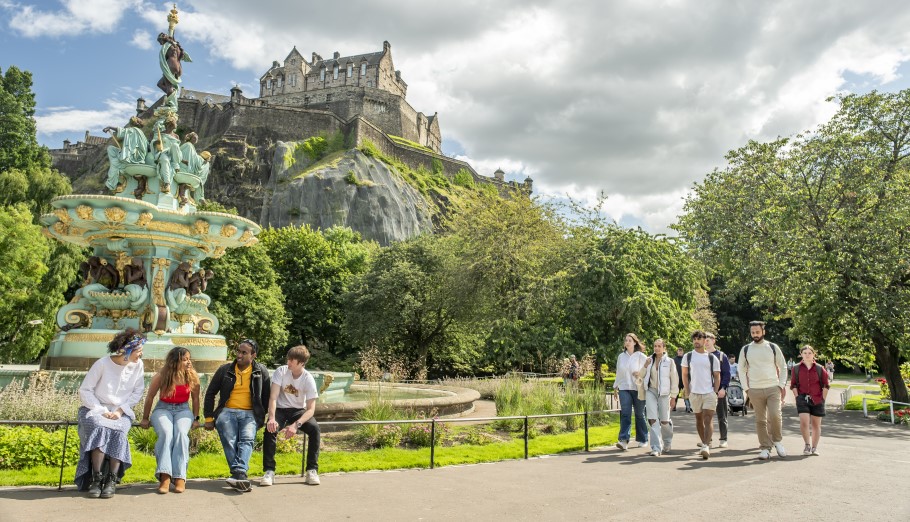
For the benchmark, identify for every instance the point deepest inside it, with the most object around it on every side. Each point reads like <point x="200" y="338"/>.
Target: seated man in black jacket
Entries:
<point x="243" y="389"/>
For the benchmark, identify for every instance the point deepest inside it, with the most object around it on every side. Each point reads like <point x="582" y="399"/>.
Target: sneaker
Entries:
<point x="700" y="445"/>
<point x="764" y="454"/>
<point x="239" y="482"/>
<point x="705" y="452"/>
<point x="667" y="448"/>
<point x="807" y="450"/>
<point x="312" y="477"/>
<point x="781" y="452"/>
<point x="654" y="453"/>
<point x="815" y="451"/>
<point x="642" y="444"/>
<point x="622" y="445"/>
<point x="267" y="479"/>
<point x="723" y="444"/>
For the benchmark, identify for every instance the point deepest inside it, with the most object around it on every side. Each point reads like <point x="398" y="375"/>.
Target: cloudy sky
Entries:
<point x="634" y="100"/>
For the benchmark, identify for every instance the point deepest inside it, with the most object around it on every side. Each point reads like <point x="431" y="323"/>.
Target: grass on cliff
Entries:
<point x="404" y="141"/>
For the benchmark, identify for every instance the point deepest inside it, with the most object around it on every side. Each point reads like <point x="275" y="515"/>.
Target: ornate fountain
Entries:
<point x="148" y="239"/>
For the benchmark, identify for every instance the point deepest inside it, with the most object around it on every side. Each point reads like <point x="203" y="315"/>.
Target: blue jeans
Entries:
<point x="237" y="429"/>
<point x="172" y="424"/>
<point x="628" y="399"/>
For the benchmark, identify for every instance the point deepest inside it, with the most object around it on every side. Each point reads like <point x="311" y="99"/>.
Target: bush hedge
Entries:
<point x="27" y="446"/>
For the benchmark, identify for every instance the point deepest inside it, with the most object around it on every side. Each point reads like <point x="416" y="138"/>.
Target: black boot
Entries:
<point x="94" y="489"/>
<point x="110" y="486"/>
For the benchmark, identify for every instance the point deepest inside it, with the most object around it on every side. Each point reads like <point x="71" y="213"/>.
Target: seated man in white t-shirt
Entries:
<point x="292" y="405"/>
<point x="701" y="379"/>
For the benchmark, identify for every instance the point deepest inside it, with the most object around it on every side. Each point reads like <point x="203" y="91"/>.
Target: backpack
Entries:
<point x="818" y="370"/>
<point x="688" y="358"/>
<point x="774" y="348"/>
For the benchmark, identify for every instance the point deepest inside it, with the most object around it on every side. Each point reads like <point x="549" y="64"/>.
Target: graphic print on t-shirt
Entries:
<point x="291" y="390"/>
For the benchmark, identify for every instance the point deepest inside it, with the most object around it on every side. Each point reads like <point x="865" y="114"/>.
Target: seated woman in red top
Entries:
<point x="177" y="382"/>
<point x="809" y="383"/>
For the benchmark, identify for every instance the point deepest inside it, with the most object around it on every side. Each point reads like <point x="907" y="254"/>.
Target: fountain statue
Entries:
<point x="148" y="239"/>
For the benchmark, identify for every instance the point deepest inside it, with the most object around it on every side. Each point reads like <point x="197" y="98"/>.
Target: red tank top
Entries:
<point x="181" y="394"/>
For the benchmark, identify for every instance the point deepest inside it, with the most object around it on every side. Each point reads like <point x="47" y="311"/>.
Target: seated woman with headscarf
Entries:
<point x="109" y="391"/>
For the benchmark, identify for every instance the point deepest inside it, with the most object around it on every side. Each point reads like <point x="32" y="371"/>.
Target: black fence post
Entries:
<point x="303" y="443"/>
<point x="526" y="436"/>
<point x="586" y="430"/>
<point x="432" y="443"/>
<point x="66" y="435"/>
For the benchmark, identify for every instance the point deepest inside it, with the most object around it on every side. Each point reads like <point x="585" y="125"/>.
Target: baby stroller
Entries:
<point x="736" y="399"/>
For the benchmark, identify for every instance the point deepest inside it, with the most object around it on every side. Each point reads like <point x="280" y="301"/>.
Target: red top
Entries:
<point x="809" y="384"/>
<point x="181" y="394"/>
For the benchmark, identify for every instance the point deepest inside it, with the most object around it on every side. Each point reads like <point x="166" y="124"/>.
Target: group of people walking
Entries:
<point x="648" y="388"/>
<point x="247" y="398"/>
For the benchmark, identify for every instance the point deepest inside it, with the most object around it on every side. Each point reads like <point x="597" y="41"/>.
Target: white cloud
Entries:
<point x="76" y="17"/>
<point x="143" y="40"/>
<point x="68" y="119"/>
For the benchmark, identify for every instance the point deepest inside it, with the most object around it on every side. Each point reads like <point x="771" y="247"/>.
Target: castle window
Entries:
<point x="268" y="84"/>
<point x="278" y="85"/>
<point x="328" y="97"/>
<point x="350" y="70"/>
<point x="335" y="72"/>
<point x="363" y="69"/>
<point x="322" y="74"/>
<point x="306" y="101"/>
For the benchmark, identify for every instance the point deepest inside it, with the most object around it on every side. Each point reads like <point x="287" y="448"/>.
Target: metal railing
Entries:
<point x="848" y="392"/>
<point x="882" y="401"/>
<point x="432" y="422"/>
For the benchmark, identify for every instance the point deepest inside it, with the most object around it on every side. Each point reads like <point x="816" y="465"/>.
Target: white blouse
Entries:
<point x="625" y="365"/>
<point x="108" y="386"/>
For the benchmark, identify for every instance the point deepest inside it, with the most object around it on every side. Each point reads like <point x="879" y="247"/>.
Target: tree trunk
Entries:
<point x="888" y="359"/>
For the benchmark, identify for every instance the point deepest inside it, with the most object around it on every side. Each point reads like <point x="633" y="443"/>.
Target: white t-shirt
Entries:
<point x="700" y="370"/>
<point x="294" y="393"/>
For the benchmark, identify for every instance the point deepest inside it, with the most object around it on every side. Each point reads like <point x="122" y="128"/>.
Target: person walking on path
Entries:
<point x="830" y="367"/>
<point x="292" y="404"/>
<point x="734" y="369"/>
<point x="629" y="372"/>
<point x="710" y="347"/>
<point x="110" y="389"/>
<point x="810" y="388"/>
<point x="701" y="380"/>
<point x="661" y="383"/>
<point x="678" y="362"/>
<point x="243" y="389"/>
<point x="764" y="379"/>
<point x="177" y="383"/>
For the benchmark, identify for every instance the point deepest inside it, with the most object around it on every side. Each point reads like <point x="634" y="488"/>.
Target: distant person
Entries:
<point x="829" y="366"/>
<point x="810" y="388"/>
<point x="292" y="404"/>
<point x="790" y="364"/>
<point x="661" y="383"/>
<point x="722" y="410"/>
<point x="764" y="372"/>
<point x="629" y="369"/>
<point x="110" y="389"/>
<point x="734" y="369"/>
<point x="677" y="361"/>
<point x="243" y="389"/>
<point x="701" y="380"/>
<point x="175" y="384"/>
<point x="570" y="372"/>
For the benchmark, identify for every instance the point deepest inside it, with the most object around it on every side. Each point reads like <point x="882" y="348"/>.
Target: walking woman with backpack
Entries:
<point x="175" y="384"/>
<point x="629" y="377"/>
<point x="661" y="383"/>
<point x="810" y="387"/>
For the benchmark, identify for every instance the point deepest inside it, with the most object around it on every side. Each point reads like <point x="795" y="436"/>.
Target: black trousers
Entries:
<point x="284" y="417"/>
<point x="722" y="417"/>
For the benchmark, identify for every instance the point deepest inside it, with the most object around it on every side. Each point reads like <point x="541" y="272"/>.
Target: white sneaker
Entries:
<point x="700" y="445"/>
<point x="723" y="444"/>
<point x="667" y="448"/>
<point x="312" y="477"/>
<point x="622" y="445"/>
<point x="781" y="452"/>
<point x="267" y="479"/>
<point x="705" y="452"/>
<point x="807" y="450"/>
<point x="764" y="454"/>
<point x="642" y="444"/>
<point x="815" y="451"/>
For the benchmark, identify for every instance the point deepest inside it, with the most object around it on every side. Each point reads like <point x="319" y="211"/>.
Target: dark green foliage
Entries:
<point x="19" y="147"/>
<point x="25" y="446"/>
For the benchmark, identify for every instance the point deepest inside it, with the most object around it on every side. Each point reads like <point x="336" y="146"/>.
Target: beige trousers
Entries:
<point x="766" y="402"/>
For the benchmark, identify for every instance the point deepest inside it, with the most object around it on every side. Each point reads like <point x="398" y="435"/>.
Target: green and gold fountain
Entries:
<point x="148" y="240"/>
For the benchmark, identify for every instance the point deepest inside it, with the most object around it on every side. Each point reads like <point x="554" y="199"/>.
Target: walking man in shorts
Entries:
<point x="701" y="381"/>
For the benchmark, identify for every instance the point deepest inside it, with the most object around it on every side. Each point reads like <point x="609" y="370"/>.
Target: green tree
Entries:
<point x="816" y="227"/>
<point x="314" y="270"/>
<point x="18" y="137"/>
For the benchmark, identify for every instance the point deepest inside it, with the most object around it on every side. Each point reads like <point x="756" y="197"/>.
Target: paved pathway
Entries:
<point x="862" y="474"/>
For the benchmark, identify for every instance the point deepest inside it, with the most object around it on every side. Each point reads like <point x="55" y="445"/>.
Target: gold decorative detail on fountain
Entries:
<point x="61" y="228"/>
<point x="327" y="379"/>
<point x="219" y="251"/>
<point x="204" y="325"/>
<point x="79" y="317"/>
<point x="247" y="236"/>
<point x="201" y="227"/>
<point x="63" y="215"/>
<point x="121" y="184"/>
<point x="170" y="227"/>
<point x="120" y="263"/>
<point x="158" y="284"/>
<point x="228" y="230"/>
<point x="85" y="212"/>
<point x="144" y="219"/>
<point x="115" y="214"/>
<point x="79" y="337"/>
<point x="199" y="341"/>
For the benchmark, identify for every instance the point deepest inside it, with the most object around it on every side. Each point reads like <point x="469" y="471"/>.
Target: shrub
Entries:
<point x="368" y="148"/>
<point x="478" y="437"/>
<point x="463" y="178"/>
<point x="885" y="390"/>
<point x="143" y="440"/>
<point x="38" y="399"/>
<point x="204" y="441"/>
<point x="26" y="446"/>
<point x="437" y="166"/>
<point x="378" y="435"/>
<point x="389" y="436"/>
<point x="419" y="434"/>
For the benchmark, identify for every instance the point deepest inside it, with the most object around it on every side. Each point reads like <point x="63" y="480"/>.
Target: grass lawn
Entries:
<point x="844" y="384"/>
<point x="872" y="402"/>
<point x="209" y="465"/>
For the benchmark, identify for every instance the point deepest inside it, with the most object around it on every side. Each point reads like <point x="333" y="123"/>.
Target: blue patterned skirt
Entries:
<point x="97" y="432"/>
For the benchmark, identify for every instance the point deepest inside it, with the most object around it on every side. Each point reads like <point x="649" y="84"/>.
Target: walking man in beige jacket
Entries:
<point x="763" y="370"/>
